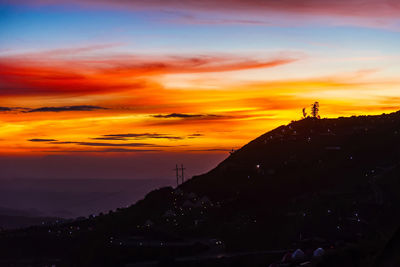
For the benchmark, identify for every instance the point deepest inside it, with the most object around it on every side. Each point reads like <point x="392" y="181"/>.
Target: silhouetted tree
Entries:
<point x="304" y="113"/>
<point x="315" y="110"/>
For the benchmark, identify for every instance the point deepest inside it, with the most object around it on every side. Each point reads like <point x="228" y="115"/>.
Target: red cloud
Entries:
<point x="31" y="75"/>
<point x="18" y="78"/>
<point x="351" y="8"/>
<point x="198" y="64"/>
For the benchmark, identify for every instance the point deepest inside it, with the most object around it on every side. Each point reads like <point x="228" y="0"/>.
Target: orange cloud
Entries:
<point x="69" y="97"/>
<point x="34" y="76"/>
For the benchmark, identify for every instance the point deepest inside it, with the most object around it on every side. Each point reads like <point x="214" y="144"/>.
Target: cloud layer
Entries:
<point x="187" y="116"/>
<point x="138" y="136"/>
<point x="375" y="13"/>
<point x="53" y="109"/>
<point x="41" y="140"/>
<point x="101" y="144"/>
<point x="51" y="74"/>
<point x="66" y="108"/>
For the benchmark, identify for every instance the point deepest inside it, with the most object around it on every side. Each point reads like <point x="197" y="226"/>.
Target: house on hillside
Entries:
<point x="169" y="214"/>
<point x="205" y="201"/>
<point x="148" y="224"/>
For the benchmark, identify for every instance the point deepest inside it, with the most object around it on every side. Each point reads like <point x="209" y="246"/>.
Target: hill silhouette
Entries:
<point x="329" y="183"/>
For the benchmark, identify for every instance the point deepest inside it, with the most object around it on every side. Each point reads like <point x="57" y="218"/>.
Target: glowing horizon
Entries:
<point x="128" y="77"/>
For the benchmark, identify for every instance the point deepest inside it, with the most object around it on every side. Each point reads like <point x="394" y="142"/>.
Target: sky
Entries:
<point x="112" y="88"/>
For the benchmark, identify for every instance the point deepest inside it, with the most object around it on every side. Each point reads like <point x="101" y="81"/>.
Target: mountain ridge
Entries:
<point x="330" y="183"/>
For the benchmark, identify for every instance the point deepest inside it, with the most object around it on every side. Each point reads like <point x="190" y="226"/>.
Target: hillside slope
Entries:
<point x="331" y="183"/>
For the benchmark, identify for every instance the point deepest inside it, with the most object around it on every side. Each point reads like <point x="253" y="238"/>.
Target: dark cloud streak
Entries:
<point x="139" y="136"/>
<point x="110" y="150"/>
<point x="99" y="144"/>
<point x="66" y="108"/>
<point x="42" y="140"/>
<point x="186" y="116"/>
<point x="196" y="135"/>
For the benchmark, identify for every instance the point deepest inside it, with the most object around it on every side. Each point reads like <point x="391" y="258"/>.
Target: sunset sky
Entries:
<point x="169" y="81"/>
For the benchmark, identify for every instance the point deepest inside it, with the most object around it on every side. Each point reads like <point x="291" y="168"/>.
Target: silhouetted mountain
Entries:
<point x="19" y="212"/>
<point x="17" y="218"/>
<point x="71" y="198"/>
<point x="329" y="183"/>
<point x="19" y="221"/>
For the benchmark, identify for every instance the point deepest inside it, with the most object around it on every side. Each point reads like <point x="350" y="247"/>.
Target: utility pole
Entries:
<point x="182" y="175"/>
<point x="177" y="174"/>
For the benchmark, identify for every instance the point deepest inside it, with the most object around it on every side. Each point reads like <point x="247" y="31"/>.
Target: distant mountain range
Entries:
<point x="71" y="198"/>
<point x="17" y="212"/>
<point x="14" y="218"/>
<point x="329" y="183"/>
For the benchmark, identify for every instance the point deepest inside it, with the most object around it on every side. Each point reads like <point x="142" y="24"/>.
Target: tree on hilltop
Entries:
<point x="315" y="110"/>
<point x="304" y="113"/>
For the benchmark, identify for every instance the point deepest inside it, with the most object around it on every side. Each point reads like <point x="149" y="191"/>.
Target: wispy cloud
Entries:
<point x="46" y="75"/>
<point x="187" y="116"/>
<point x="379" y="8"/>
<point x="42" y="140"/>
<point x="196" y="135"/>
<point x="370" y="13"/>
<point x="108" y="150"/>
<point x="52" y="109"/>
<point x="5" y="109"/>
<point x="210" y="150"/>
<point x="65" y="52"/>
<point x="137" y="136"/>
<point x="66" y="108"/>
<point x="101" y="144"/>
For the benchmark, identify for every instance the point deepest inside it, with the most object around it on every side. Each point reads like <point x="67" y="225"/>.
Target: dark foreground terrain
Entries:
<point x="332" y="184"/>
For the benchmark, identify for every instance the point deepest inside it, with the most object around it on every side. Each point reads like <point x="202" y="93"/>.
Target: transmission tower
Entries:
<point x="183" y="173"/>
<point x="180" y="173"/>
